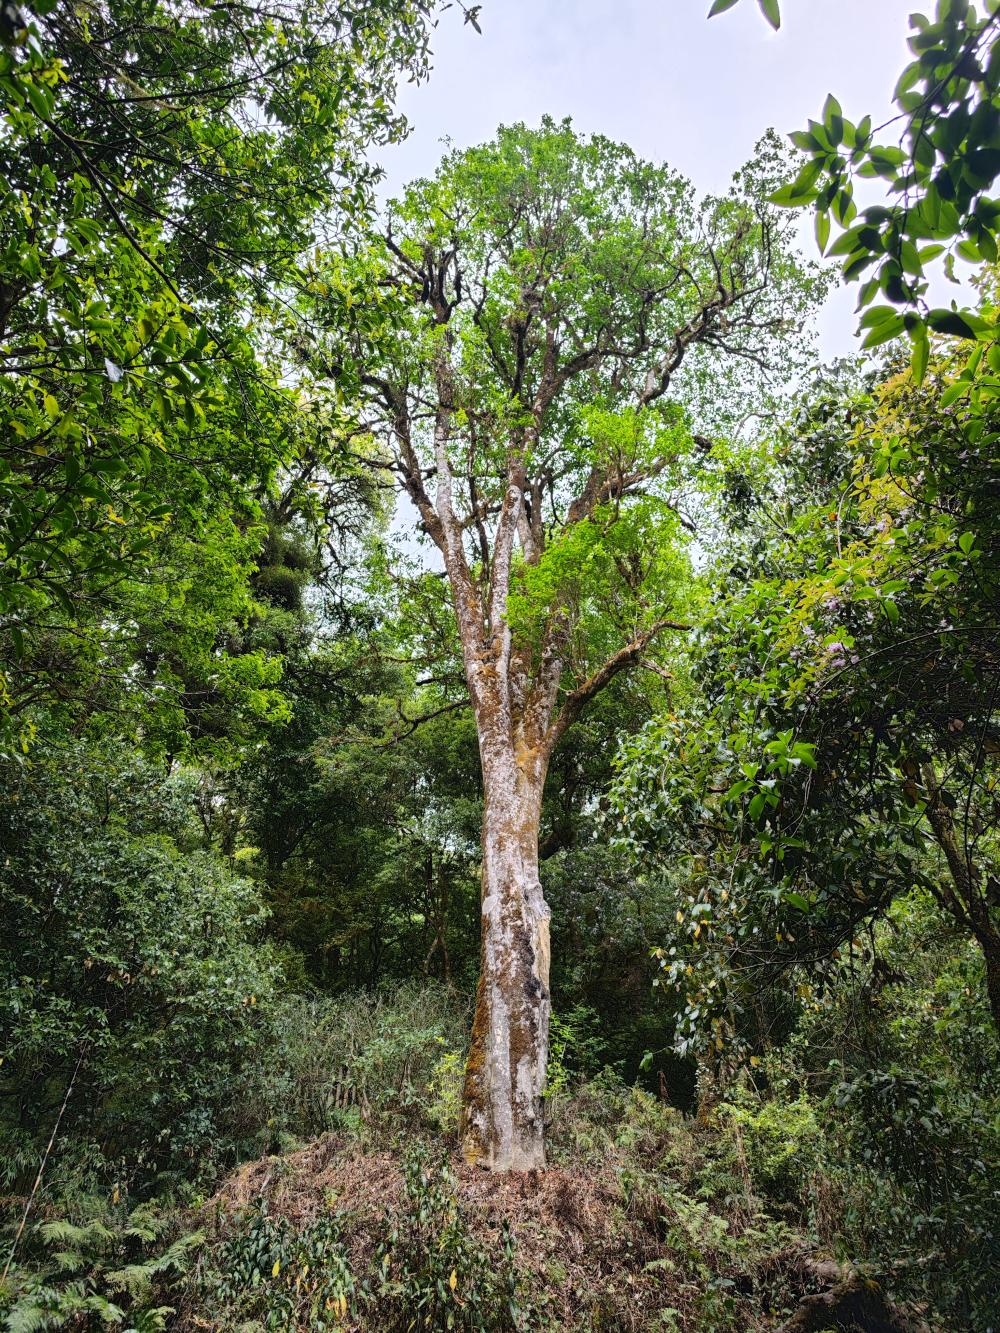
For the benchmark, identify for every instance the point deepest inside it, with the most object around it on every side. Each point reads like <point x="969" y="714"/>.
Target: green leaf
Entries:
<point x="909" y="77"/>
<point x="920" y="355"/>
<point x="806" y="751"/>
<point x="909" y="258"/>
<point x="882" y="332"/>
<point x="984" y="165"/>
<point x="788" y="197"/>
<point x="807" y="177"/>
<point x="40" y="98"/>
<point x="877" y="314"/>
<point x="720" y="7"/>
<point x="806" y="141"/>
<point x="772" y="12"/>
<point x="798" y="901"/>
<point x="951" y="322"/>
<point x="833" y="119"/>
<point x="844" y="206"/>
<point x="822" y="230"/>
<point x="847" y="243"/>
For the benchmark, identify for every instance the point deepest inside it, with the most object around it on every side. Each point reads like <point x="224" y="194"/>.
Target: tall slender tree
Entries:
<point x="553" y="294"/>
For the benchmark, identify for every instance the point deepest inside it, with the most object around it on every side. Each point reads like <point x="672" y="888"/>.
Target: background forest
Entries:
<point x="364" y="562"/>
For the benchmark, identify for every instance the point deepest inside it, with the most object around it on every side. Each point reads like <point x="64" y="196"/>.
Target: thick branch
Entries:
<point x="623" y="660"/>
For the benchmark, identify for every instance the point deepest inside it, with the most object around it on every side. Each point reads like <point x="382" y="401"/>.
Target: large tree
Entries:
<point x="553" y="294"/>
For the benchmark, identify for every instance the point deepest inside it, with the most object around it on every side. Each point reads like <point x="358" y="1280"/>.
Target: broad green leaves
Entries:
<point x="938" y="177"/>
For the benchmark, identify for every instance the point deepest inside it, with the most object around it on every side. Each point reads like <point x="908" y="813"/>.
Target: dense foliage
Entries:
<point x="162" y="170"/>
<point x="840" y="747"/>
<point x="130" y="950"/>
<point x="242" y="794"/>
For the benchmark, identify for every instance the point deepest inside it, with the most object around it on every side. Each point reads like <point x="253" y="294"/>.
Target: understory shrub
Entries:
<point x="369" y="1060"/>
<point x="878" y="1120"/>
<point x="135" y="995"/>
<point x="777" y="1140"/>
<point x="428" y="1270"/>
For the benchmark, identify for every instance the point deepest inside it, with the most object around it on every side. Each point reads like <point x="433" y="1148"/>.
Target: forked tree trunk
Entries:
<point x="505" y="1076"/>
<point x="519" y="720"/>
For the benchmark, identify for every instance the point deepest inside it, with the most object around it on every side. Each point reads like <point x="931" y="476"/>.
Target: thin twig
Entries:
<point x="41" y="1169"/>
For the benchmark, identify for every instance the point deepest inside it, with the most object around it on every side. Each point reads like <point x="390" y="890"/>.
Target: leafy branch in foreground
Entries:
<point x="938" y="174"/>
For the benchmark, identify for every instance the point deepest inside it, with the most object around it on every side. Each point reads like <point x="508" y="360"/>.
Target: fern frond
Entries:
<point x="151" y="1321"/>
<point x="28" y="1316"/>
<point x="106" y="1311"/>
<point x="136" y="1279"/>
<point x="59" y="1230"/>
<point x="175" y="1256"/>
<point x="70" y="1260"/>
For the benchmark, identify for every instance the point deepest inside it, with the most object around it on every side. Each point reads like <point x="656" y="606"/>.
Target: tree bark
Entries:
<point x="990" y="945"/>
<point x="518" y="724"/>
<point x="502" y="1120"/>
<point x="968" y="903"/>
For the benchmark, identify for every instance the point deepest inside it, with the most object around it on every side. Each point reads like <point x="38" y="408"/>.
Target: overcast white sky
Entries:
<point x="657" y="75"/>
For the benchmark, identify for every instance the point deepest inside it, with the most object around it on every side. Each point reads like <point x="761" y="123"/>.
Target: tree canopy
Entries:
<point x="163" y="171"/>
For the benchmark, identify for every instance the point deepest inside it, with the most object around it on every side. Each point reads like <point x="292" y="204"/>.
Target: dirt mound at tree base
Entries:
<point x="330" y="1173"/>
<point x="593" y="1246"/>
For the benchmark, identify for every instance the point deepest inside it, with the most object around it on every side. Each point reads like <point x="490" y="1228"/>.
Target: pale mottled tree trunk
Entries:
<point x="505" y="1076"/>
